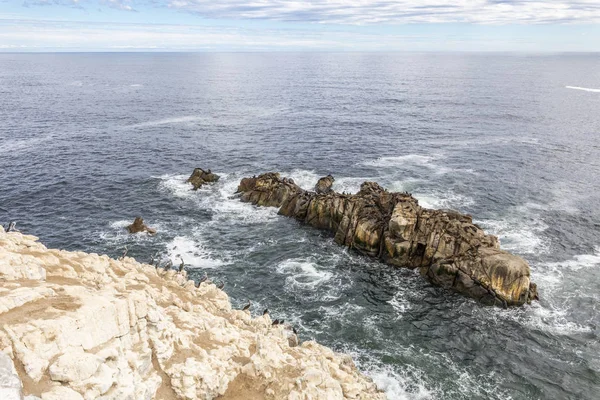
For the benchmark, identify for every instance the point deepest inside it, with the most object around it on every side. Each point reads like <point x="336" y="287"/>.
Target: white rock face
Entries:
<point x="84" y="326"/>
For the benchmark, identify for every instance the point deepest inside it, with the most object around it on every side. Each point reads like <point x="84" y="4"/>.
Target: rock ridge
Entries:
<point x="446" y="246"/>
<point x="78" y="326"/>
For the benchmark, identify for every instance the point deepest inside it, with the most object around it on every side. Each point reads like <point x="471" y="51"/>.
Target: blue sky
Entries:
<point x="283" y="25"/>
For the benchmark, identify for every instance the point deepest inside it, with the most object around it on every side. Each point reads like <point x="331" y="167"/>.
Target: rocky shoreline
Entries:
<point x="446" y="246"/>
<point x="75" y="325"/>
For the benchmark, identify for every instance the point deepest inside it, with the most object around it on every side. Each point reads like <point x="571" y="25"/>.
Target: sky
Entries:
<point x="292" y="25"/>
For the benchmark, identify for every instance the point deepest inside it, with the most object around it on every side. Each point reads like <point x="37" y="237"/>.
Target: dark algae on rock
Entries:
<point x="445" y="245"/>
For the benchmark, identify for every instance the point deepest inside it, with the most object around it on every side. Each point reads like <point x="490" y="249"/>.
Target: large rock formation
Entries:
<point x="82" y="326"/>
<point x="447" y="247"/>
<point x="199" y="177"/>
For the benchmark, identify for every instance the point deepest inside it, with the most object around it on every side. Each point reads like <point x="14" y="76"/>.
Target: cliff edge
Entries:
<point x="75" y="325"/>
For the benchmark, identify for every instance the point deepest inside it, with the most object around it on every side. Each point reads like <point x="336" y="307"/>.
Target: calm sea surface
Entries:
<point x="89" y="141"/>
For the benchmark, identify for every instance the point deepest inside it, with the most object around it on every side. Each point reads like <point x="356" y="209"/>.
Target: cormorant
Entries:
<point x="276" y="322"/>
<point x="247" y="306"/>
<point x="266" y="311"/>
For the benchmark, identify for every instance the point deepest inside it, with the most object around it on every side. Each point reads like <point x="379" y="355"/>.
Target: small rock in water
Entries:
<point x="139" y="226"/>
<point x="199" y="177"/>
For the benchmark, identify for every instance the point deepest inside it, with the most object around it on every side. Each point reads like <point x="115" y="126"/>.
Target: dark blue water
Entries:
<point x="89" y="141"/>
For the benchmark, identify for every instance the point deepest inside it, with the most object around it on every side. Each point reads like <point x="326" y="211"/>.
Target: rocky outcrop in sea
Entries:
<point x="201" y="177"/>
<point x="78" y="326"/>
<point x="446" y="246"/>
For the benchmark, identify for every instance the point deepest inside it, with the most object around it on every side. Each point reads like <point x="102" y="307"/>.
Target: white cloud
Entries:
<point x="398" y="11"/>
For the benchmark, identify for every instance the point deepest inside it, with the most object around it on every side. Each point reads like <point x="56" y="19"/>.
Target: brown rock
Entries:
<point x="324" y="184"/>
<point x="199" y="177"/>
<point x="449" y="250"/>
<point x="139" y="226"/>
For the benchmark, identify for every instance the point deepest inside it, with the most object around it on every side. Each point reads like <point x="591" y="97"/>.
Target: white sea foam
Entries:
<point x="176" y="185"/>
<point x="306" y="179"/>
<point x="396" y="161"/>
<point x="302" y="273"/>
<point x="169" y="121"/>
<point x="579" y="262"/>
<point x="395" y="385"/>
<point x="583" y="88"/>
<point x="117" y="233"/>
<point x="136" y="85"/>
<point x="193" y="252"/>
<point x="521" y="230"/>
<point x="446" y="199"/>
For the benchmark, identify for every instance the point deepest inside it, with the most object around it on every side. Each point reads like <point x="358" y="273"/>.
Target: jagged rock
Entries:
<point x="446" y="246"/>
<point x="139" y="226"/>
<point x="199" y="177"/>
<point x="324" y="184"/>
<point x="91" y="327"/>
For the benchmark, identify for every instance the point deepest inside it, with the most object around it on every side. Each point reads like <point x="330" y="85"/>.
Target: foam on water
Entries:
<point x="583" y="88"/>
<point x="169" y="121"/>
<point x="176" y="185"/>
<point x="193" y="251"/>
<point x="521" y="230"/>
<point x="303" y="274"/>
<point x="578" y="262"/>
<point x="395" y="161"/>
<point x="448" y="199"/>
<point x="399" y="387"/>
<point x="220" y="198"/>
<point x="306" y="179"/>
<point x="117" y="233"/>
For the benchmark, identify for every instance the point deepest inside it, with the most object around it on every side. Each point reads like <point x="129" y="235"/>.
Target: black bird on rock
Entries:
<point x="276" y="322"/>
<point x="247" y="306"/>
<point x="266" y="311"/>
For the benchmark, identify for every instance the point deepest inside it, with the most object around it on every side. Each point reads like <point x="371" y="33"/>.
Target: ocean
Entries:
<point x="88" y="141"/>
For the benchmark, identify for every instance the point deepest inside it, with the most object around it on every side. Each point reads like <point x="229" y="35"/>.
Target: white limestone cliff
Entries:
<point x="82" y="326"/>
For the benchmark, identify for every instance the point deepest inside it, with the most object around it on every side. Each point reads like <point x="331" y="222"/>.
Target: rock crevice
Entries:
<point x="445" y="245"/>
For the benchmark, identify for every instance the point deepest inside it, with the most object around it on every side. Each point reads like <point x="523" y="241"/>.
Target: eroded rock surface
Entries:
<point x="82" y="326"/>
<point x="447" y="247"/>
<point x="324" y="184"/>
<point x="199" y="177"/>
<point x="139" y="226"/>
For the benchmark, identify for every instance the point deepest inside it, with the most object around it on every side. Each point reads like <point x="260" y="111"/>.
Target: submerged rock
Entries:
<point x="324" y="184"/>
<point x="91" y="327"/>
<point x="199" y="177"/>
<point x="139" y="226"/>
<point x="446" y="246"/>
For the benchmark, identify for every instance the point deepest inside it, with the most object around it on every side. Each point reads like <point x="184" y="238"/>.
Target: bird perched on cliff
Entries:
<point x="276" y="322"/>
<point x="266" y="311"/>
<point x="247" y="306"/>
<point x="294" y="330"/>
<point x="182" y="264"/>
<point x="203" y="279"/>
<point x="12" y="227"/>
<point x="124" y="253"/>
